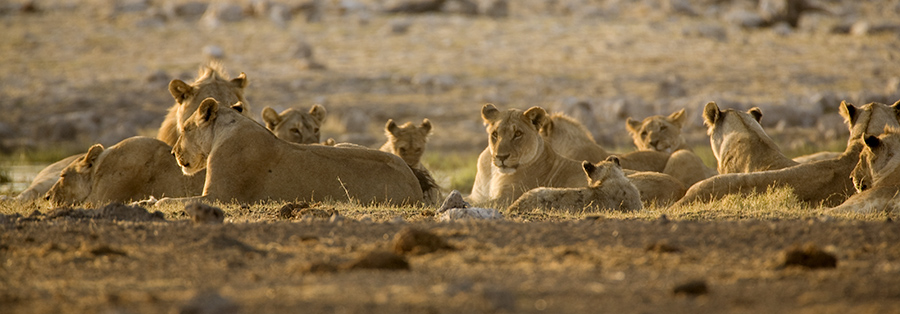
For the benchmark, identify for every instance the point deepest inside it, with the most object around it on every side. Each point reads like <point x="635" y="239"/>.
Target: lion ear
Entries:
<point x="896" y="108"/>
<point x="90" y="158"/>
<point x="615" y="160"/>
<point x="426" y="126"/>
<point x="208" y="109"/>
<point x="677" y="118"/>
<point x="318" y="112"/>
<point x="848" y="111"/>
<point x="179" y="90"/>
<point x="489" y="113"/>
<point x="238" y="106"/>
<point x="588" y="167"/>
<point x="391" y="127"/>
<point x="711" y="113"/>
<point x="632" y="125"/>
<point x="240" y="81"/>
<point x="872" y="141"/>
<point x="756" y="113"/>
<point x="537" y="116"/>
<point x="270" y="117"/>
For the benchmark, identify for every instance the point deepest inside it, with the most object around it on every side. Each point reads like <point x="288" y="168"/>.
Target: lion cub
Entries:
<point x="294" y="125"/>
<point x="408" y="141"/>
<point x="608" y="189"/>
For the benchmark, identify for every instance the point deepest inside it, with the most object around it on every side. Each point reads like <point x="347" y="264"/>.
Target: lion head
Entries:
<point x="659" y="133"/>
<point x="603" y="171"/>
<point x="295" y="126"/>
<point x="513" y="136"/>
<point x="878" y="160"/>
<point x="76" y="180"/>
<point x="407" y="140"/>
<point x="722" y="123"/>
<point x="196" y="139"/>
<point x="869" y="119"/>
<point x="211" y="82"/>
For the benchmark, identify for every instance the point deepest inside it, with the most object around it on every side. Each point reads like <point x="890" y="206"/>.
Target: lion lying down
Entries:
<point x="246" y="163"/>
<point x="133" y="169"/>
<point x="876" y="176"/>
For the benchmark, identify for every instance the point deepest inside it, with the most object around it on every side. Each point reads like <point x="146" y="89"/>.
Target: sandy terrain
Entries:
<point x="81" y="72"/>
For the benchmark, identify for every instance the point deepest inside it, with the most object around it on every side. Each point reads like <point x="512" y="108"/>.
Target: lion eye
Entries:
<point x="518" y="134"/>
<point x="295" y="131"/>
<point x="316" y="130"/>
<point x="663" y="128"/>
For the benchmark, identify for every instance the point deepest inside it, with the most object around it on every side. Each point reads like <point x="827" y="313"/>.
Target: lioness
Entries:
<point x="868" y="119"/>
<point x="295" y="126"/>
<point x="133" y="169"/>
<point x="246" y="163"/>
<point x="876" y="176"/>
<point x="739" y="142"/>
<point x="520" y="159"/>
<point x="408" y="141"/>
<point x="212" y="81"/>
<point x="663" y="134"/>
<point x="608" y="189"/>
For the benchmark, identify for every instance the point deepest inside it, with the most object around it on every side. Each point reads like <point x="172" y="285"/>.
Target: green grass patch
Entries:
<point x="453" y="170"/>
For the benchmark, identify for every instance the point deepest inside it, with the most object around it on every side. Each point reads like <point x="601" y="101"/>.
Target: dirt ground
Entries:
<point x="76" y="73"/>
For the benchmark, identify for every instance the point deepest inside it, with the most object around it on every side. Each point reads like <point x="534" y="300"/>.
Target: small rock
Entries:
<point x="471" y="213"/>
<point x="454" y="200"/>
<point x="202" y="213"/>
<point x="691" y="288"/>
<point x="417" y="242"/>
<point x="400" y="27"/>
<point x="810" y="257"/>
<point x="379" y="260"/>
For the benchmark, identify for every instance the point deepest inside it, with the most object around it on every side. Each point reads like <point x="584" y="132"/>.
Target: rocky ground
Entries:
<point x="81" y="72"/>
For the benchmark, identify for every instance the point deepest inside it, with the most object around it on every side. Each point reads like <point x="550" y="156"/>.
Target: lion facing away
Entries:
<point x="133" y="169"/>
<point x="246" y="163"/>
<point x="294" y="125"/>
<point x="876" y="176"/>
<point x="408" y="141"/>
<point x="608" y="189"/>
<point x="739" y="142"/>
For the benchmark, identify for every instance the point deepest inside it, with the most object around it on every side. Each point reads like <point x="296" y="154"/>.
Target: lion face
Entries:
<point x="195" y="142"/>
<point x="295" y="126"/>
<point x="76" y="180"/>
<point x="602" y="171"/>
<point x="513" y="136"/>
<point x="721" y="123"/>
<point x="662" y="134"/>
<point x="877" y="160"/>
<point x="408" y="140"/>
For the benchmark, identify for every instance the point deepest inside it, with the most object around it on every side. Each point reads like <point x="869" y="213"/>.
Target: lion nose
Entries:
<point x="503" y="157"/>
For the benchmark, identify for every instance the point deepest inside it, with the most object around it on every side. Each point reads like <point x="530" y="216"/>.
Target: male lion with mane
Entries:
<point x="246" y="163"/>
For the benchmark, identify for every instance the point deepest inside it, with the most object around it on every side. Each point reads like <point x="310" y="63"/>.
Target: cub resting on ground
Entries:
<point x="408" y="141"/>
<point x="663" y="134"/>
<point x="608" y="189"/>
<point x="246" y="163"/>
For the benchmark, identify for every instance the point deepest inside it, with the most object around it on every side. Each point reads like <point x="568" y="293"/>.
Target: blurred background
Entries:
<point x="74" y="73"/>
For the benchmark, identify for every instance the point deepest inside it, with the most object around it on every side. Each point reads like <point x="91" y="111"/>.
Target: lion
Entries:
<point x="520" y="159"/>
<point x="246" y="163"/>
<point x="133" y="169"/>
<point x="739" y="142"/>
<point x="608" y="189"/>
<point x="825" y="181"/>
<point x="868" y="119"/>
<point x="408" y="141"/>
<point x="212" y="81"/>
<point x="876" y="176"/>
<point x="663" y="134"/>
<point x="295" y="126"/>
